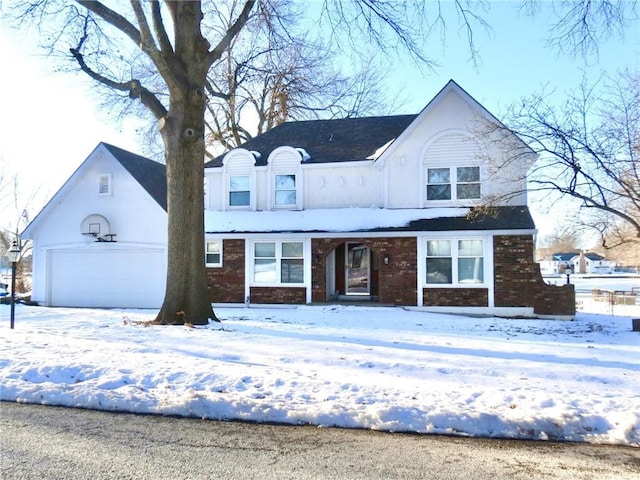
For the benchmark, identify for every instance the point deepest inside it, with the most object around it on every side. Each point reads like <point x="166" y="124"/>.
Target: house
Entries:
<point x="385" y="210"/>
<point x="101" y="241"/>
<point x="576" y="262"/>
<point x="381" y="209"/>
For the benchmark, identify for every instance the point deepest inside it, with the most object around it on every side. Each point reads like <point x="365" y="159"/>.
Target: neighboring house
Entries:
<point x="382" y="209"/>
<point x="101" y="241"/>
<point x="387" y="210"/>
<point x="582" y="263"/>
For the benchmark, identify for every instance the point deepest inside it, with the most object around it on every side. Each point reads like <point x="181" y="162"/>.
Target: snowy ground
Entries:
<point x="362" y="367"/>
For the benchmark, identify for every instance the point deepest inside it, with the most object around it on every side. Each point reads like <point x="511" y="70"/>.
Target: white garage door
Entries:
<point x="120" y="278"/>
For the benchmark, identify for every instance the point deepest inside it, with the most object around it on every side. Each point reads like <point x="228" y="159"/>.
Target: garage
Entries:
<point x="106" y="277"/>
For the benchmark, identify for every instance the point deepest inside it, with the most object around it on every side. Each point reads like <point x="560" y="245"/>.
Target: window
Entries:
<point x="239" y="191"/>
<point x="213" y="253"/>
<point x="278" y="262"/>
<point x="439" y="184"/>
<point x="104" y="184"/>
<point x="439" y="265"/>
<point x="468" y="183"/>
<point x="455" y="262"/>
<point x="285" y="190"/>
<point x="470" y="261"/>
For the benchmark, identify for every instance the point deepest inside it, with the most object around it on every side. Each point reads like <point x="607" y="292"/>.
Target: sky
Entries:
<point x="51" y="121"/>
<point x="378" y="368"/>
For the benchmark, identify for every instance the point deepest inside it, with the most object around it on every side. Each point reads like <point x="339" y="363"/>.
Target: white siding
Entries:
<point x="452" y="131"/>
<point x="135" y="218"/>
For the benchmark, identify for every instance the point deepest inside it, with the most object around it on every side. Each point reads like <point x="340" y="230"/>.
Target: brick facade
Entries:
<point x="226" y="284"/>
<point x="455" y="297"/>
<point x="396" y="281"/>
<point x="279" y="295"/>
<point x="519" y="283"/>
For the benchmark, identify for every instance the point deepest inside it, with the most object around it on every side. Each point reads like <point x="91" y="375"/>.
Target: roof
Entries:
<point x="368" y="220"/>
<point x="149" y="174"/>
<point x="349" y="139"/>
<point x="337" y="140"/>
<point x="567" y="257"/>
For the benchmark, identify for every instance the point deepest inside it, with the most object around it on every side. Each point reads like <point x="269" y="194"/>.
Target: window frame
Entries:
<point x="460" y="183"/>
<point x="278" y="258"/>
<point x="206" y="252"/>
<point x="109" y="184"/>
<point x="453" y="184"/>
<point x="276" y="190"/>
<point x="455" y="257"/>
<point x="230" y="191"/>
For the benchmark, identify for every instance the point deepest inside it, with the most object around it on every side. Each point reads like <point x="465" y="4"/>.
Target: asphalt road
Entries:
<point x="50" y="443"/>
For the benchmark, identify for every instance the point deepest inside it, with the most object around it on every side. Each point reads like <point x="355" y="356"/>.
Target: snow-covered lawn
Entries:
<point x="361" y="367"/>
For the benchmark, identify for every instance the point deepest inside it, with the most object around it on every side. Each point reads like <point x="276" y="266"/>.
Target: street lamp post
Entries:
<point x="14" y="256"/>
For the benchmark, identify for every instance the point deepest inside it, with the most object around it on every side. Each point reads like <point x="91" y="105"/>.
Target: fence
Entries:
<point x="611" y="302"/>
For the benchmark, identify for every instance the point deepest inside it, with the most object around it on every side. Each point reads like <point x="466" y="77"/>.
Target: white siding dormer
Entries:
<point x="239" y="189"/>
<point x="453" y="170"/>
<point x="285" y="179"/>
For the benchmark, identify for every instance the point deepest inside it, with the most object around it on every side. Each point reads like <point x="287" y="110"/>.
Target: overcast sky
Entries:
<point x="51" y="122"/>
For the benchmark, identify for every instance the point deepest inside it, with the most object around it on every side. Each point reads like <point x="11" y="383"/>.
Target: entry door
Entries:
<point x="358" y="272"/>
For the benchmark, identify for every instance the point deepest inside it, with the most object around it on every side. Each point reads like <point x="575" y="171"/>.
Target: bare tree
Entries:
<point x="164" y="64"/>
<point x="180" y="57"/>
<point x="15" y="207"/>
<point x="274" y="71"/>
<point x="271" y="72"/>
<point x="565" y="239"/>
<point x="580" y="26"/>
<point x="589" y="150"/>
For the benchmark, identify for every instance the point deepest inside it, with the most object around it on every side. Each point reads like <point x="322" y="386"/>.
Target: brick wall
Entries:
<point x="279" y="295"/>
<point x="226" y="284"/>
<point x="519" y="283"/>
<point x="397" y="280"/>
<point x="455" y="297"/>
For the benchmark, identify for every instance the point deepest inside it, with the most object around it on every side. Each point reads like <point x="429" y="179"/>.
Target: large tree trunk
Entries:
<point x="187" y="296"/>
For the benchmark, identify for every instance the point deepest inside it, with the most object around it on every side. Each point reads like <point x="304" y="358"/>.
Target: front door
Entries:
<point x="357" y="269"/>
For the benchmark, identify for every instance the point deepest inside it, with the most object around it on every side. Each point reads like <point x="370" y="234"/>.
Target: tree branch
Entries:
<point x="134" y="87"/>
<point x="232" y="31"/>
<point x="113" y="18"/>
<point x="163" y="39"/>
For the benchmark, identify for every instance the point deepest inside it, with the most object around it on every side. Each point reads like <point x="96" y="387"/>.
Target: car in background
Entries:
<point x="3" y="290"/>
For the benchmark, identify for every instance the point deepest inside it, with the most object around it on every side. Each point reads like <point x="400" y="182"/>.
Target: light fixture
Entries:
<point x="14" y="256"/>
<point x="385" y="259"/>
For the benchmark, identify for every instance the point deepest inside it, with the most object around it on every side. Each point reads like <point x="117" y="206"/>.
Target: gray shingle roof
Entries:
<point x="151" y="175"/>
<point x="339" y="140"/>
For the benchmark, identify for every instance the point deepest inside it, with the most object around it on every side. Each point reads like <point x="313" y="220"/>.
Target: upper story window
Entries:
<point x="104" y="184"/>
<point x="438" y="184"/>
<point x="468" y="183"/>
<point x="455" y="262"/>
<point x="213" y="253"/>
<point x="453" y="183"/>
<point x="239" y="191"/>
<point x="285" y="190"/>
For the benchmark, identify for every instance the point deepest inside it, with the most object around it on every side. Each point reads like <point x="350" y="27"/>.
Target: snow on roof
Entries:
<point x="325" y="220"/>
<point x="380" y="150"/>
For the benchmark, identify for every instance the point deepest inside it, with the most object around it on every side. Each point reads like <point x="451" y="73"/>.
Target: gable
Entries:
<point x="136" y="185"/>
<point x="377" y="138"/>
